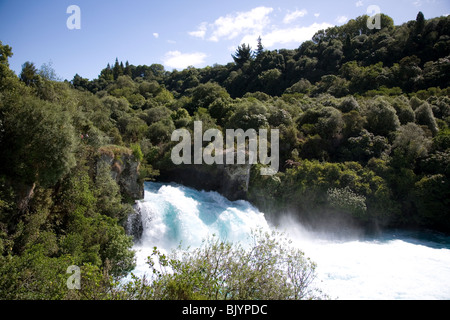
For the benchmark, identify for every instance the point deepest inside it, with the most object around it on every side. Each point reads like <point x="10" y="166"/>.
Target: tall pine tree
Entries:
<point x="242" y="55"/>
<point x="259" y="48"/>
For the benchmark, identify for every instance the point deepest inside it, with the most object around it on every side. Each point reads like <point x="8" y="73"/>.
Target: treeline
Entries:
<point x="349" y="59"/>
<point x="363" y="117"/>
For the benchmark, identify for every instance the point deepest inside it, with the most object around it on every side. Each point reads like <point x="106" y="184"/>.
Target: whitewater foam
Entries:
<point x="390" y="266"/>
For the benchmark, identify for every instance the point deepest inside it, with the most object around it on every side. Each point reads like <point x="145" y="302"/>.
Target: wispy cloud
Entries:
<point x="249" y="25"/>
<point x="200" y="32"/>
<point x="284" y="36"/>
<point x="156" y="35"/>
<point x="420" y="3"/>
<point x="178" y="60"/>
<point x="341" y="19"/>
<point x="359" y="3"/>
<point x="291" y="16"/>
<point x="235" y="24"/>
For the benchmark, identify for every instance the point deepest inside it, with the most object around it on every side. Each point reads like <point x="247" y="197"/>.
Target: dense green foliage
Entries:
<point x="57" y="208"/>
<point x="268" y="268"/>
<point x="363" y="117"/>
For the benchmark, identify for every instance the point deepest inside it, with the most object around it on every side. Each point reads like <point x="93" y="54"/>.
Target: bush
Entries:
<point x="424" y="116"/>
<point x="381" y="117"/>
<point x="137" y="152"/>
<point x="268" y="268"/>
<point x="345" y="199"/>
<point x="161" y="131"/>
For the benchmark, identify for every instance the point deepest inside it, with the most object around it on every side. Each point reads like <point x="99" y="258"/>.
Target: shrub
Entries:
<point x="345" y="199"/>
<point x="267" y="268"/>
<point x="137" y="152"/>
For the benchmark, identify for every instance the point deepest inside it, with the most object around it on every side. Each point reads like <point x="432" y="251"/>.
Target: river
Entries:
<point x="392" y="265"/>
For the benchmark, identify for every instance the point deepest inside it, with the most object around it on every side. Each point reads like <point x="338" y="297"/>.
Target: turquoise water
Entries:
<point x="392" y="265"/>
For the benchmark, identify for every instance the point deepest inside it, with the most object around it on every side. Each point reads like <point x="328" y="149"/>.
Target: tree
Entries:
<point x="132" y="128"/>
<point x="40" y="140"/>
<point x="161" y="131"/>
<point x="219" y="110"/>
<point x="248" y="115"/>
<point x="242" y="55"/>
<point x="107" y="73"/>
<point x="48" y="72"/>
<point x="365" y="146"/>
<point x="433" y="200"/>
<point x="354" y="123"/>
<point x="420" y="23"/>
<point x="324" y="121"/>
<point x="424" y="116"/>
<point x="409" y="72"/>
<point x="381" y="117"/>
<point x="79" y="82"/>
<point x="5" y="53"/>
<point x="181" y="118"/>
<point x="205" y="94"/>
<point x="259" y="48"/>
<point x="117" y="69"/>
<point x="29" y="73"/>
<point x="127" y="70"/>
<point x="404" y="110"/>
<point x="409" y="145"/>
<point x="270" y="81"/>
<point x="349" y="104"/>
<point x="301" y="86"/>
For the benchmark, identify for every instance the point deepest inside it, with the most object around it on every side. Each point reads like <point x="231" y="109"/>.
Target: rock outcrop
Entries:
<point x="231" y="181"/>
<point x="124" y="169"/>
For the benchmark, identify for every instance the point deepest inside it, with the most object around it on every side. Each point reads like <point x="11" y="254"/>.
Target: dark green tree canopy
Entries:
<point x="29" y="74"/>
<point x="242" y="55"/>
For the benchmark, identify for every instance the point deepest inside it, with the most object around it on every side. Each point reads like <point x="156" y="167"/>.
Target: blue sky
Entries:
<point x="174" y="33"/>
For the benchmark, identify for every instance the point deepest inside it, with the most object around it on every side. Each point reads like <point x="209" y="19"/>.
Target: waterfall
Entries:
<point x="393" y="265"/>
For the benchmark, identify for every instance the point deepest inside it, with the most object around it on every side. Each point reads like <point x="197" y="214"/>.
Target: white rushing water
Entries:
<point x="393" y="265"/>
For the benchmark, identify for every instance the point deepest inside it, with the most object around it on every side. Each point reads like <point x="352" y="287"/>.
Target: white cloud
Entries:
<point x="359" y="4"/>
<point x="294" y="15"/>
<point x="417" y="3"/>
<point x="341" y="19"/>
<point x="284" y="36"/>
<point x="233" y="25"/>
<point x="200" y="32"/>
<point x="156" y="35"/>
<point x="249" y="25"/>
<point x="178" y="60"/>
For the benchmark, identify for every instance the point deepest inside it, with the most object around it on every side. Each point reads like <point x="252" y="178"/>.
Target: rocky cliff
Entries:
<point x="229" y="180"/>
<point x="124" y="169"/>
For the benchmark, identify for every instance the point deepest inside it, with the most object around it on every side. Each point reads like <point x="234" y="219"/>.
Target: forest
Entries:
<point x="363" y="116"/>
